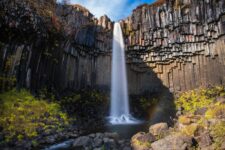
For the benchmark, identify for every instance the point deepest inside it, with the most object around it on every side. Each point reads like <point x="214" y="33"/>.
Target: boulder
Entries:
<point x="204" y="140"/>
<point x="112" y="135"/>
<point x="173" y="142"/>
<point x="126" y="148"/>
<point x="142" y="141"/>
<point x="158" y="129"/>
<point x="97" y="142"/>
<point x="82" y="141"/>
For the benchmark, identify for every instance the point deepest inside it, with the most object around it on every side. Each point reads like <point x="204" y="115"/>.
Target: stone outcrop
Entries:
<point x="182" y="41"/>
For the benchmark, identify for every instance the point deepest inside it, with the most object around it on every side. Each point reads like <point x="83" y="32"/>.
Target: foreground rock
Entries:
<point x="100" y="141"/>
<point x="173" y="142"/>
<point x="158" y="129"/>
<point x="142" y="141"/>
<point x="199" y="125"/>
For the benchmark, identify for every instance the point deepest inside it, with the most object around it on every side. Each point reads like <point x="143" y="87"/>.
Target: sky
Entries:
<point x="114" y="9"/>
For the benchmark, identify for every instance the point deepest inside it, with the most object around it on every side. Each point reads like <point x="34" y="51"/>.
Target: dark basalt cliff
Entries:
<point x="182" y="41"/>
<point x="179" y="43"/>
<point x="60" y="47"/>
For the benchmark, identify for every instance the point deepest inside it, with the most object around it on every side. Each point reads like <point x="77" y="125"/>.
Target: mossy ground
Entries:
<point x="192" y="100"/>
<point x="24" y="116"/>
<point x="212" y="121"/>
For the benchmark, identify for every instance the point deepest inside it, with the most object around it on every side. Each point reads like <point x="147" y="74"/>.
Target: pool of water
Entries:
<point x="128" y="130"/>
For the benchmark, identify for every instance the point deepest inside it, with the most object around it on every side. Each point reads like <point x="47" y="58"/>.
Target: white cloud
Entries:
<point x="115" y="9"/>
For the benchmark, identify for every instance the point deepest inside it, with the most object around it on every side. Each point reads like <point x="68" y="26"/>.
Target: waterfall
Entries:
<point x="119" y="112"/>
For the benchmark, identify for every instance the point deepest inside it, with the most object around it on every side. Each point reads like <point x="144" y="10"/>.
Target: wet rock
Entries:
<point x="97" y="148"/>
<point x="112" y="135"/>
<point x="105" y="139"/>
<point x="127" y="148"/>
<point x="158" y="129"/>
<point x="82" y="141"/>
<point x="99" y="135"/>
<point x="97" y="142"/>
<point x="50" y="139"/>
<point x="92" y="135"/>
<point x="173" y="142"/>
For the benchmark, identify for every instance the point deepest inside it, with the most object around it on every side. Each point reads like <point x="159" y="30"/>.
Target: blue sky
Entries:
<point x="114" y="9"/>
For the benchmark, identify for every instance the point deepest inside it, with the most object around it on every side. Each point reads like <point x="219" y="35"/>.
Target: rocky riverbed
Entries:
<point x="199" y="124"/>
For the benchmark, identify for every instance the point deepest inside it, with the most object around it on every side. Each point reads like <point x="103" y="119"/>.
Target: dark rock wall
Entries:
<point x="177" y="44"/>
<point x="65" y="49"/>
<point x="181" y="41"/>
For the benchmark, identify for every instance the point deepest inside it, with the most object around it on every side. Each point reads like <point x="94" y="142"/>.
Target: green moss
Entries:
<point x="195" y="99"/>
<point x="21" y="115"/>
<point x="142" y="144"/>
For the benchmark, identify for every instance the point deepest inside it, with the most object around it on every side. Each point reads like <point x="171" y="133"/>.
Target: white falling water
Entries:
<point x="119" y="113"/>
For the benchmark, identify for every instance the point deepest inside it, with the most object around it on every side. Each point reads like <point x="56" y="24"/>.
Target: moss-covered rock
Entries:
<point x="23" y="116"/>
<point x="142" y="141"/>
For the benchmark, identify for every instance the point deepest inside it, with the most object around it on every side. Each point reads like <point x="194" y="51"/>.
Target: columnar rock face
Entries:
<point x="62" y="47"/>
<point x="174" y="43"/>
<point x="182" y="41"/>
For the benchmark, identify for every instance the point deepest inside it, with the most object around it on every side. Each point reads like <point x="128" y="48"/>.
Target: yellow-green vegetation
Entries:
<point x="218" y="133"/>
<point x="190" y="130"/>
<point x="195" y="99"/>
<point x="22" y="115"/>
<point x="217" y="111"/>
<point x="212" y="121"/>
<point x="144" y="145"/>
<point x="184" y="120"/>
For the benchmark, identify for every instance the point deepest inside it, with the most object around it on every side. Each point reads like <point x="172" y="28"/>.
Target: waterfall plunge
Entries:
<point x="119" y="113"/>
